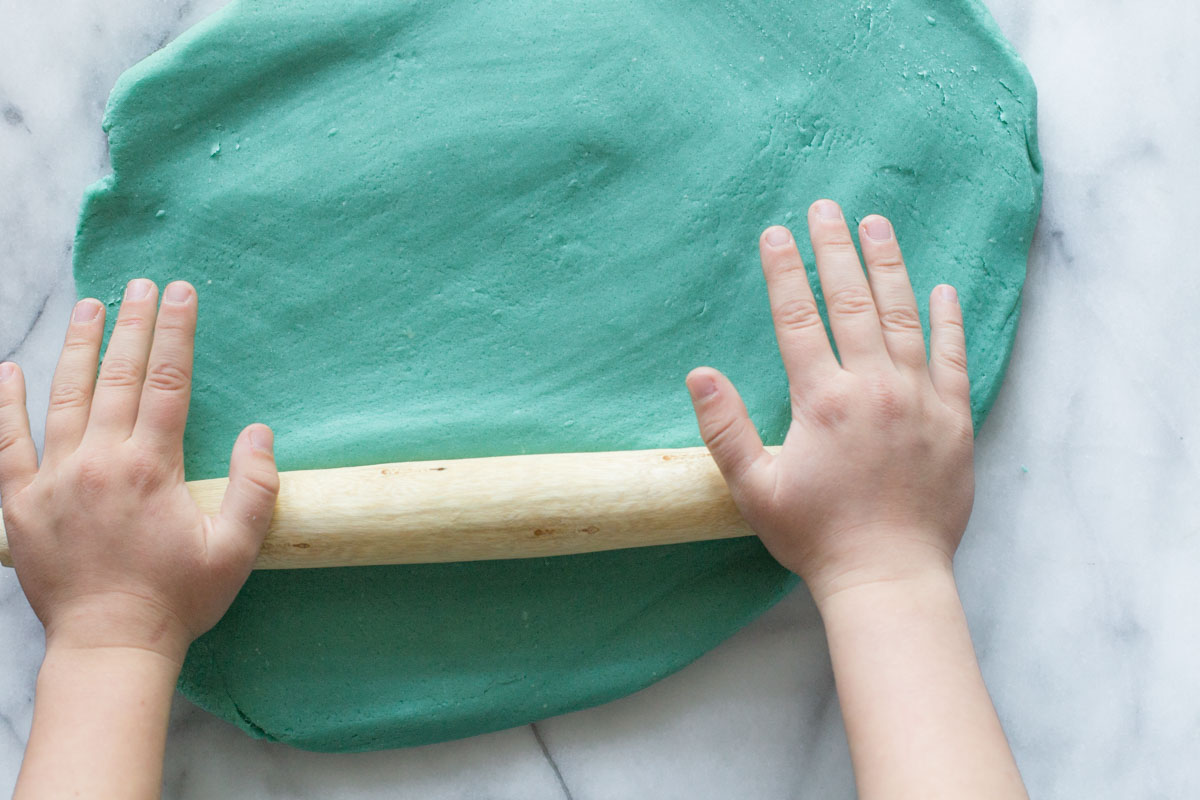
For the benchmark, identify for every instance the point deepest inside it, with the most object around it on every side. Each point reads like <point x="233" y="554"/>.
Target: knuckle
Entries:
<point x="888" y="403"/>
<point x="850" y="301"/>
<point x="950" y="333"/>
<point x="92" y="475"/>
<point x="10" y="437"/>
<point x="172" y="322"/>
<point x="827" y="409"/>
<point x="900" y="319"/>
<point x="952" y="356"/>
<point x="263" y="483"/>
<point x="798" y="314"/>
<point x="78" y="344"/>
<point x="721" y="432"/>
<point x="838" y="245"/>
<point x="167" y="377"/>
<point x="67" y="395"/>
<point x="890" y="262"/>
<point x="131" y="322"/>
<point x="145" y="470"/>
<point x="953" y="325"/>
<point x="120" y="372"/>
<point x="784" y="265"/>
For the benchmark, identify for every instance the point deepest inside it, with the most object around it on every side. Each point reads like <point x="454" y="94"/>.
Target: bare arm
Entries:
<point x="116" y="559"/>
<point x="100" y="724"/>
<point x="918" y="716"/>
<point x="868" y="501"/>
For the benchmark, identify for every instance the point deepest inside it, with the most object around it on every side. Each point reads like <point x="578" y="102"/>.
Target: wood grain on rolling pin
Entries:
<point x="489" y="508"/>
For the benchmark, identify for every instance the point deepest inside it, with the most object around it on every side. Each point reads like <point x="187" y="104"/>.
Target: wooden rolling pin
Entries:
<point x="488" y="508"/>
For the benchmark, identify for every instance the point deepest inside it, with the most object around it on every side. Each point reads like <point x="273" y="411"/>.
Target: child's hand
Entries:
<point x="107" y="542"/>
<point x="867" y="501"/>
<point x="875" y="480"/>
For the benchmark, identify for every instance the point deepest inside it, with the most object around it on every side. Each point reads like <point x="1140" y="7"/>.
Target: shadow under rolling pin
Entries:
<point x="488" y="508"/>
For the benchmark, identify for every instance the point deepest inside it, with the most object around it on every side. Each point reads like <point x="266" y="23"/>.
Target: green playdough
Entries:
<point x="442" y="230"/>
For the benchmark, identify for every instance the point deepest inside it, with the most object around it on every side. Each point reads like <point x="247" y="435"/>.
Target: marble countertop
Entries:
<point x="1081" y="568"/>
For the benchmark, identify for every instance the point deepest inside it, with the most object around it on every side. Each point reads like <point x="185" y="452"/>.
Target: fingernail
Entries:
<point x="878" y="229"/>
<point x="262" y="439"/>
<point x="702" y="386"/>
<point x="948" y="293"/>
<point x="86" y="310"/>
<point x="827" y="209"/>
<point x="138" y="289"/>
<point x="178" y="292"/>
<point x="7" y="370"/>
<point x="778" y="236"/>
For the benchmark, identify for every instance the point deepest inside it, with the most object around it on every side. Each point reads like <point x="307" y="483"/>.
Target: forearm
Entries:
<point x="918" y="716"/>
<point x="99" y="724"/>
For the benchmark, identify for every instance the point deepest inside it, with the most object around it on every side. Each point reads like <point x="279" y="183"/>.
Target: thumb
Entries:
<point x="726" y="429"/>
<point x="249" y="499"/>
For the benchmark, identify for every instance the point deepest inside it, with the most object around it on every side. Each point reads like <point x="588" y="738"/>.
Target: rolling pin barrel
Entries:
<point x="488" y="508"/>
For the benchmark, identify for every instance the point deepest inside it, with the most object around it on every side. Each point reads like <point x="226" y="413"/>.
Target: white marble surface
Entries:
<point x="1081" y="576"/>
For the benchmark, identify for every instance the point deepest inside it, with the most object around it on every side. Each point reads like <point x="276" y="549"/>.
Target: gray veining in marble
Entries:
<point x="1081" y="568"/>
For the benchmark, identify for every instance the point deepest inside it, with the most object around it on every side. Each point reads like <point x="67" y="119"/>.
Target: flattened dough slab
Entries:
<point x="466" y="229"/>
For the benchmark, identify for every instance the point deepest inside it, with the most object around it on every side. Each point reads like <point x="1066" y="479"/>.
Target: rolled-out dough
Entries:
<point x="465" y="229"/>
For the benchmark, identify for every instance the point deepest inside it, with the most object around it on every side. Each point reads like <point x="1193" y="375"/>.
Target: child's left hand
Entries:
<point x="108" y="544"/>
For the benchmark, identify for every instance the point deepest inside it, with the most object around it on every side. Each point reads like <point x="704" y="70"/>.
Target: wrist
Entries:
<point x="154" y="672"/>
<point x="892" y="563"/>
<point x="151" y="661"/>
<point x="116" y="625"/>
<point x="930" y="587"/>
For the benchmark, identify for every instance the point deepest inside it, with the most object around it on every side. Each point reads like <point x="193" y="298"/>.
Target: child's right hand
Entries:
<point x="108" y="544"/>
<point x="874" y="481"/>
<point x="118" y="562"/>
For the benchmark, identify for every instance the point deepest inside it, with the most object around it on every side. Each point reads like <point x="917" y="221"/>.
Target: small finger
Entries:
<point x="948" y="349"/>
<point x="725" y="428"/>
<point x="892" y="290"/>
<point x="74" y="380"/>
<point x="119" y="386"/>
<point x="852" y="314"/>
<point x="803" y="343"/>
<point x="167" y="389"/>
<point x="241" y="525"/>
<point x="18" y="455"/>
